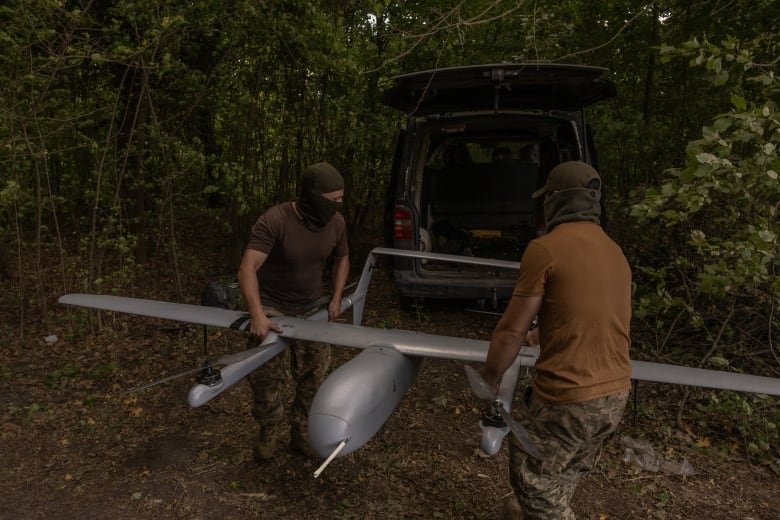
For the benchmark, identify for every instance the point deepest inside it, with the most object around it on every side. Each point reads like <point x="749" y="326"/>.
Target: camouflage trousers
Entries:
<point x="307" y="364"/>
<point x="570" y="438"/>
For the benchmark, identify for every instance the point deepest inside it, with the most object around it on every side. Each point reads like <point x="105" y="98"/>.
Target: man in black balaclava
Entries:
<point x="281" y="275"/>
<point x="317" y="180"/>
<point x="578" y="282"/>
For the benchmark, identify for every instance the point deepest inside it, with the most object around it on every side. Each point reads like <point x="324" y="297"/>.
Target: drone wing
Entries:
<point x="406" y="342"/>
<point x="678" y="375"/>
<point x="445" y="347"/>
<point x="197" y="314"/>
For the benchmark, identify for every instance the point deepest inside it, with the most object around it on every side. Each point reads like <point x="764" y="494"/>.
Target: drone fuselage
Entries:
<point x="356" y="400"/>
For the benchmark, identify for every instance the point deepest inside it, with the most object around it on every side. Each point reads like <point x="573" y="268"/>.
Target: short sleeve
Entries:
<point x="535" y="267"/>
<point x="262" y="236"/>
<point x="342" y="247"/>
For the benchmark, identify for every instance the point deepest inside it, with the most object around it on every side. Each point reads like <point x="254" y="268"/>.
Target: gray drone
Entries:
<point x="356" y="400"/>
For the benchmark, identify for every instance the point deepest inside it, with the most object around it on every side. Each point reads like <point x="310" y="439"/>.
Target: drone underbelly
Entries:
<point x="355" y="401"/>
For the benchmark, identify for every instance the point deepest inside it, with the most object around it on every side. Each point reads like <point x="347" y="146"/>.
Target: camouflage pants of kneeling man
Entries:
<point x="308" y="363"/>
<point x="570" y="437"/>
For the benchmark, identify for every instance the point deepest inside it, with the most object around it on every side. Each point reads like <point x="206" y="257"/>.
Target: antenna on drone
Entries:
<point x="330" y="458"/>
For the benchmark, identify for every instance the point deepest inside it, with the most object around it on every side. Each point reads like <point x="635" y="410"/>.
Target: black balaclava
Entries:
<point x="315" y="209"/>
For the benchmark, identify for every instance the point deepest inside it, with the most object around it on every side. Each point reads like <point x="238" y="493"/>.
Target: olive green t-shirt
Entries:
<point x="584" y="320"/>
<point x="291" y="277"/>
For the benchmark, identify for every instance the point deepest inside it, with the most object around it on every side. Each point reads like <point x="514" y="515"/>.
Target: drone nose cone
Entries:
<point x="326" y="432"/>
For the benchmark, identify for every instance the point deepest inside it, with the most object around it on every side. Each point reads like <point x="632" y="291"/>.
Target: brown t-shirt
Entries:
<point x="584" y="320"/>
<point x="291" y="277"/>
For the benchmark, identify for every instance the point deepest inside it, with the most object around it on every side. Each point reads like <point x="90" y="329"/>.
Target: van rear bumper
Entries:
<point x="410" y="284"/>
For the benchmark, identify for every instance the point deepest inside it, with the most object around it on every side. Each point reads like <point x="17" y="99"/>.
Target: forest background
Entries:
<point x="137" y="136"/>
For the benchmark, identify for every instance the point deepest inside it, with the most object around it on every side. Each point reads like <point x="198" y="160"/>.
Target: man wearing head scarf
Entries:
<point x="281" y="275"/>
<point x="578" y="282"/>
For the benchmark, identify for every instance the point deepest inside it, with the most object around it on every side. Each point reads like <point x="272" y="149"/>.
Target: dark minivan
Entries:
<point x="478" y="142"/>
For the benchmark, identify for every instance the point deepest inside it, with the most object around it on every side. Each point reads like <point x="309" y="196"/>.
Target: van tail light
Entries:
<point x="402" y="223"/>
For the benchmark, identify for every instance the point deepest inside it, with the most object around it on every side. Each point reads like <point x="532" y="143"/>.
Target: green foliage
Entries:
<point x="752" y="420"/>
<point x="724" y="202"/>
<point x="710" y="287"/>
<point x="726" y="199"/>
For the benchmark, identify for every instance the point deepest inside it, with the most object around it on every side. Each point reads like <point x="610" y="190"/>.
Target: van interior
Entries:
<point x="474" y="196"/>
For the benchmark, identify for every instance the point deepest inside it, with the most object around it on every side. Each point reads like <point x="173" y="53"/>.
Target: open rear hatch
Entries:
<point x="544" y="86"/>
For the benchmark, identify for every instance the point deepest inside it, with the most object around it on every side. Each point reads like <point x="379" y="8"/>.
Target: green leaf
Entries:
<point x="721" y="77"/>
<point x="671" y="215"/>
<point x="739" y="102"/>
<point x="706" y="158"/>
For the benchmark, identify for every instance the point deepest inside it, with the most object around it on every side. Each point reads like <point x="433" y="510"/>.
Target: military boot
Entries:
<point x="512" y="510"/>
<point x="265" y="443"/>
<point x="299" y="442"/>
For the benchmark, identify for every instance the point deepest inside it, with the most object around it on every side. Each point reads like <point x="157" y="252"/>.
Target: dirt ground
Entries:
<point x="75" y="444"/>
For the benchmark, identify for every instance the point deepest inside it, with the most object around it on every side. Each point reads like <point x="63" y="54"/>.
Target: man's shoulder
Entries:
<point x="570" y="235"/>
<point x="280" y="208"/>
<point x="281" y="211"/>
<point x="339" y="220"/>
